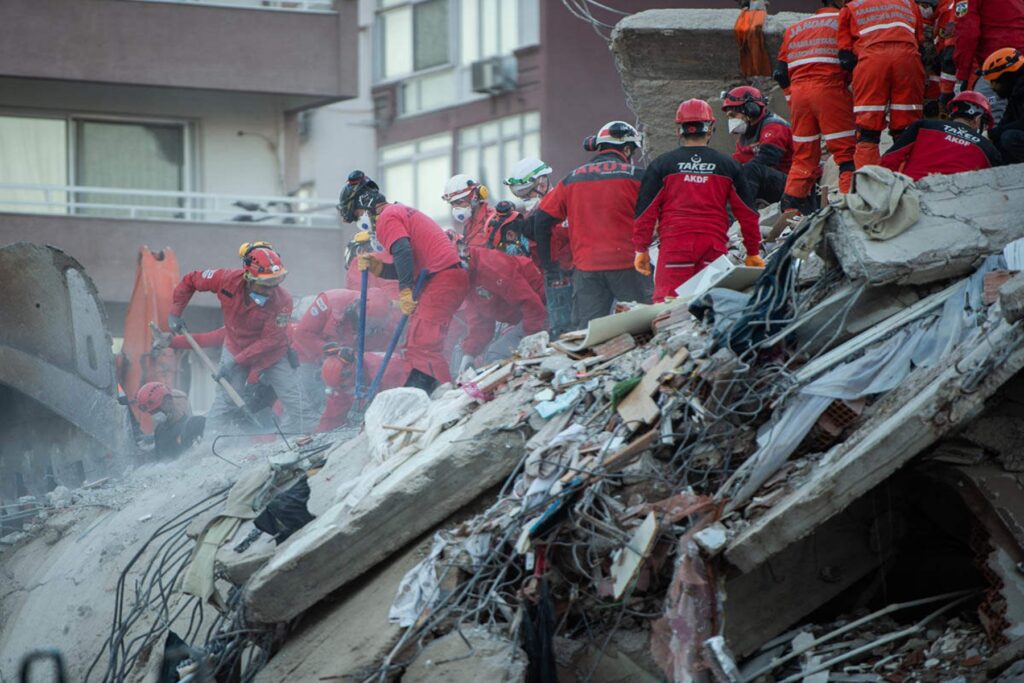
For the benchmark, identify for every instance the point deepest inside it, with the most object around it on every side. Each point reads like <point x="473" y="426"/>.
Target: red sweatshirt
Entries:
<point x="502" y="288"/>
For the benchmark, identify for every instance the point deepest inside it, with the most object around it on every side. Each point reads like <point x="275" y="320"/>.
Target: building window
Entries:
<point x="414" y="173"/>
<point x="488" y="28"/>
<point x="132" y="156"/>
<point x="58" y="152"/>
<point x="489" y="150"/>
<point x="412" y="36"/>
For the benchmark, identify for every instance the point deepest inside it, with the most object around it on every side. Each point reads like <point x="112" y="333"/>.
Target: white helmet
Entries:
<point x="460" y="186"/>
<point x="525" y="175"/>
<point x="618" y="133"/>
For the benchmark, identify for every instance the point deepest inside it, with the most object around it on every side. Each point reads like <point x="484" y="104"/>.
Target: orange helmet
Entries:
<point x="151" y="395"/>
<point x="695" y="116"/>
<point x="746" y="99"/>
<point x="264" y="266"/>
<point x="1003" y="61"/>
<point x="247" y="247"/>
<point x="337" y="367"/>
<point x="970" y="104"/>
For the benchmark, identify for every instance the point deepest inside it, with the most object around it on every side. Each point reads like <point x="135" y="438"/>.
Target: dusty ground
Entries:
<point x="57" y="587"/>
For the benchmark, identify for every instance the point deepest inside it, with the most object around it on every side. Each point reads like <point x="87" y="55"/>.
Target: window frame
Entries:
<point x="498" y="189"/>
<point x="379" y="47"/>
<point x="414" y="159"/>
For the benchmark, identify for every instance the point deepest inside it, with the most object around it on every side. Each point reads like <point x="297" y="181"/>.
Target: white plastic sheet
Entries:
<point x="398" y="408"/>
<point x="418" y="589"/>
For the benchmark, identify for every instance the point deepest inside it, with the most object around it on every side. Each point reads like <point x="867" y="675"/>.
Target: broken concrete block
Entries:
<point x="1011" y="298"/>
<point x="347" y="638"/>
<point x="964" y="217"/>
<point x="668" y="55"/>
<point x="413" y="496"/>
<point x="475" y="654"/>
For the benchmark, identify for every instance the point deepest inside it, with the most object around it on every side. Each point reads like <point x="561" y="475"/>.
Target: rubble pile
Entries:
<point x="772" y="478"/>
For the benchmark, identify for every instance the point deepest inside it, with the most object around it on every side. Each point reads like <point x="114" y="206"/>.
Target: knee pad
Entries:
<point x="868" y="135"/>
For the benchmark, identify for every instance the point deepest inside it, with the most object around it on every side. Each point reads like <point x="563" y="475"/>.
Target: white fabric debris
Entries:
<point x="418" y="589"/>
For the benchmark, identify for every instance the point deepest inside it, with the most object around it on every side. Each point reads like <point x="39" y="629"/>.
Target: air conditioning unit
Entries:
<point x="494" y="75"/>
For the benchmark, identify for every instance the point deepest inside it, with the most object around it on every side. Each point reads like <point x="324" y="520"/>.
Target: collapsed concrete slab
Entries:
<point x="964" y="217"/>
<point x="929" y="404"/>
<point x="466" y="656"/>
<point x="413" y="497"/>
<point x="668" y="55"/>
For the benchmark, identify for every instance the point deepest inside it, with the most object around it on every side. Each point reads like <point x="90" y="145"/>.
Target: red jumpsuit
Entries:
<point x="476" y="231"/>
<point x="341" y="396"/>
<point x="685" y="193"/>
<point x="334" y="317"/>
<point x="930" y="147"/>
<point x="821" y="106"/>
<point x="443" y="293"/>
<point x="884" y="35"/>
<point x="982" y="27"/>
<point x="256" y="336"/>
<point x="502" y="288"/>
<point x="945" y="44"/>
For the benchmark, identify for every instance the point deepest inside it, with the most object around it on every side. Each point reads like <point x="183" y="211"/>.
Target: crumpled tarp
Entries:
<point x="882" y="367"/>
<point x="418" y="589"/>
<point x="401" y="407"/>
<point x="884" y="204"/>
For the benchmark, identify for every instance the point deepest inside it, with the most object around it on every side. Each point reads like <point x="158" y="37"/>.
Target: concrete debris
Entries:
<point x="467" y="656"/>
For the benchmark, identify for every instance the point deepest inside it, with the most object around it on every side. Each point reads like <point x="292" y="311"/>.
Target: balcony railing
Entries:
<point x="324" y="6"/>
<point x="194" y="207"/>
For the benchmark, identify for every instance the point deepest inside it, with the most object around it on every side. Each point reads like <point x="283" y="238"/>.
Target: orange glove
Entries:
<point x="370" y="263"/>
<point x="405" y="301"/>
<point x="642" y="263"/>
<point x="754" y="261"/>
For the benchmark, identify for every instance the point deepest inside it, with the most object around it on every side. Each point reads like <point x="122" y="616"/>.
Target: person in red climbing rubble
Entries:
<point x="256" y="313"/>
<point x="687" y="193"/>
<point x="419" y="247"/>
<point x="506" y="289"/>
<point x="362" y="243"/>
<point x="764" y="143"/>
<point x="597" y="200"/>
<point x="880" y="43"/>
<point x="930" y="146"/>
<point x="471" y="212"/>
<point x="339" y="376"/>
<point x="820" y="103"/>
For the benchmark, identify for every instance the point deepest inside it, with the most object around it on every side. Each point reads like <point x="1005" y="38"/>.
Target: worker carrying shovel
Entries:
<point x="423" y="257"/>
<point x="256" y="312"/>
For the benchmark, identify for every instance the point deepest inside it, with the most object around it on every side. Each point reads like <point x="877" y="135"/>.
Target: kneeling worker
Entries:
<point x="687" y="192"/>
<point x="175" y="427"/>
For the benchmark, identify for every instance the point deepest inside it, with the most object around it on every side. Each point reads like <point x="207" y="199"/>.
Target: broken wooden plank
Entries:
<point x="638" y="407"/>
<point x="615" y="347"/>
<point x="626" y="561"/>
<point x="903" y="425"/>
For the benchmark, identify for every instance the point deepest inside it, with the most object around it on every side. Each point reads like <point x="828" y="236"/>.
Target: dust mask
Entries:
<point x="737" y="126"/>
<point x="364" y="223"/>
<point x="530" y="204"/>
<point x="460" y="213"/>
<point x="927" y="12"/>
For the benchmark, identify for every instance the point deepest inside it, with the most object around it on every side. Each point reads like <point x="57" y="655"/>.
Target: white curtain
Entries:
<point x="32" y="151"/>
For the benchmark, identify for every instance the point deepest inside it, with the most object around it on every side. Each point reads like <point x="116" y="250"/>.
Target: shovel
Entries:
<point x="361" y="340"/>
<point x="420" y="281"/>
<point x="225" y="385"/>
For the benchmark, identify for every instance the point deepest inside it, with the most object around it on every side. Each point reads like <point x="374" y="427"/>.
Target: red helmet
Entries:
<point x="747" y="99"/>
<point x="151" y="395"/>
<point x="264" y="266"/>
<point x="695" y="116"/>
<point x="335" y="370"/>
<point x="970" y="104"/>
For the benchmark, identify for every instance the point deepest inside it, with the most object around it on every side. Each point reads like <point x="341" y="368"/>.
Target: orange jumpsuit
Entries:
<point x="820" y="103"/>
<point x="945" y="44"/>
<point x="884" y="36"/>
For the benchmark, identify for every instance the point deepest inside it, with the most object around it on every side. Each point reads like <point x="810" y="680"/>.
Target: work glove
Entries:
<point x="642" y="263"/>
<point x="371" y="263"/>
<point x="161" y="341"/>
<point x="227" y="364"/>
<point x="754" y="261"/>
<point x="847" y="60"/>
<point x="176" y="324"/>
<point x="405" y="301"/>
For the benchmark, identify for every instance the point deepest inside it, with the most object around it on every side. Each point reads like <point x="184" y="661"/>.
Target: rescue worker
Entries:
<point x="419" y="248"/>
<point x="687" y="194"/>
<point x="256" y="314"/>
<point x="338" y="373"/>
<point x="333" y="317"/>
<point x="175" y="427"/>
<point x="930" y="146"/>
<point x="470" y="210"/>
<point x="361" y="243"/>
<point x="929" y="55"/>
<point x="502" y="289"/>
<point x="764" y="143"/>
<point x="1004" y="71"/>
<point x="982" y="28"/>
<point x="820" y="103"/>
<point x="879" y="41"/>
<point x="597" y="199"/>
